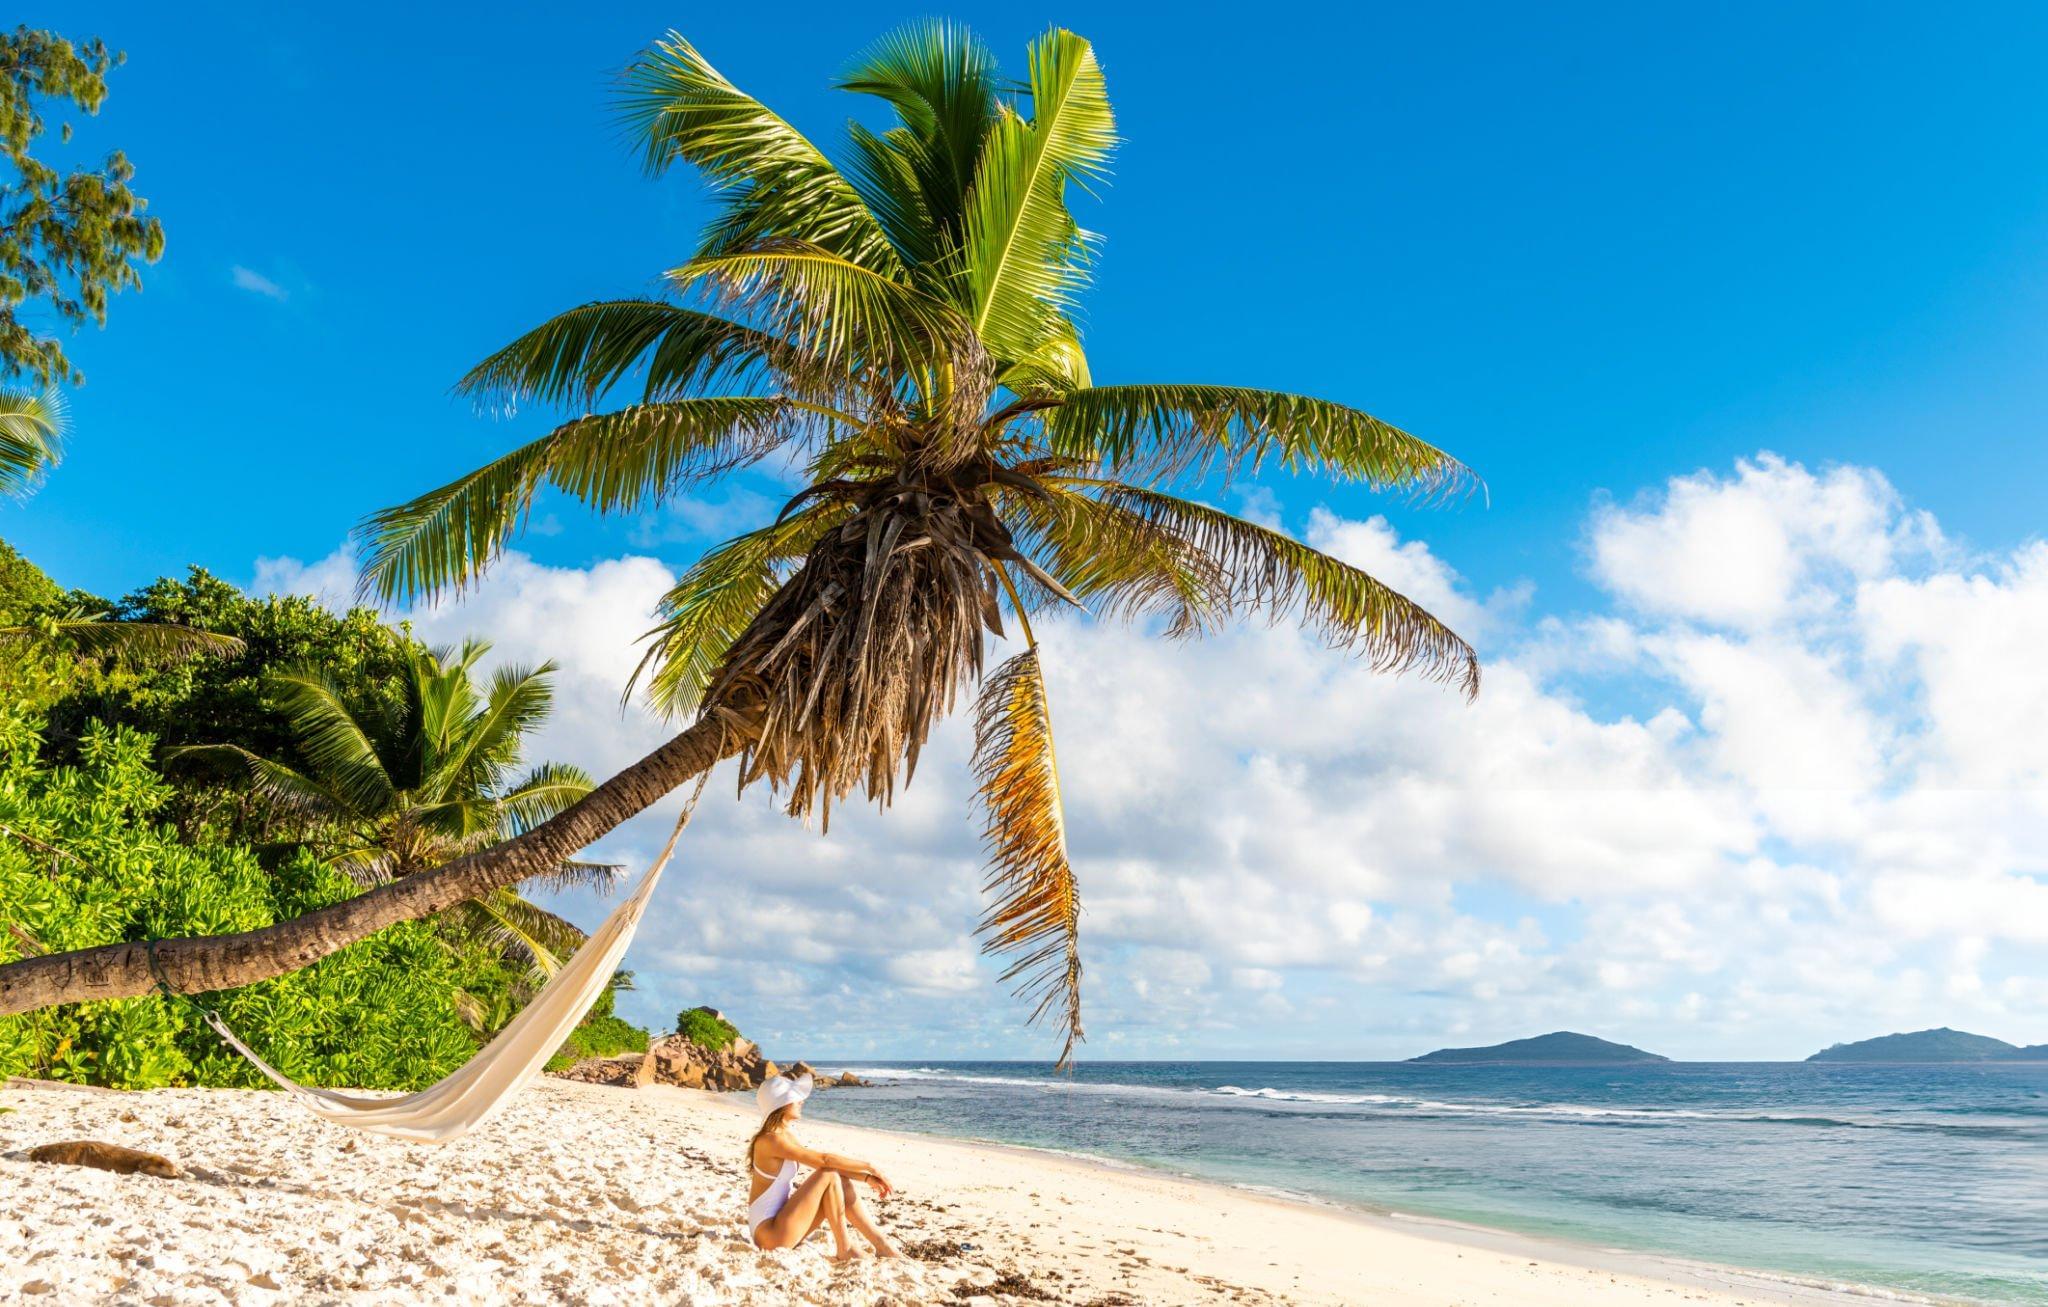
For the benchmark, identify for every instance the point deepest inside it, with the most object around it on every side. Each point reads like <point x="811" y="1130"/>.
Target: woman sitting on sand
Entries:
<point x="782" y="1213"/>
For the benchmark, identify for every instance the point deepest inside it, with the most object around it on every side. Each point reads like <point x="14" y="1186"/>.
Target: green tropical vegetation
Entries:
<point x="225" y="698"/>
<point x="354" y="755"/>
<point x="899" y="323"/>
<point x="706" y="1029"/>
<point x="416" y="779"/>
<point x="83" y="861"/>
<point x="603" y="1032"/>
<point x="68" y="239"/>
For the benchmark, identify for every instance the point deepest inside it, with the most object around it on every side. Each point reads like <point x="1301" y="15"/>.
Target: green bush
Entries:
<point x="705" y="1030"/>
<point x="599" y="1036"/>
<point x="215" y="700"/>
<point x="602" y="1033"/>
<point x="33" y="676"/>
<point x="379" y="1014"/>
<point x="199" y="851"/>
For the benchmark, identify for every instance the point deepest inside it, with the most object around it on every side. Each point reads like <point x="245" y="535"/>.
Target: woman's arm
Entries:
<point x="786" y="1146"/>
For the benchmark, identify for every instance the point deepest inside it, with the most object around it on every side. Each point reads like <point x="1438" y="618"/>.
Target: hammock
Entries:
<point x="472" y="1093"/>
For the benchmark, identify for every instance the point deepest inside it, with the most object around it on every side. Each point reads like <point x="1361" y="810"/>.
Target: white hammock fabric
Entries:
<point x="468" y="1097"/>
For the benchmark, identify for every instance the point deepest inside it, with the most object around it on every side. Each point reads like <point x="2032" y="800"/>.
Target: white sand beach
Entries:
<point x="579" y="1193"/>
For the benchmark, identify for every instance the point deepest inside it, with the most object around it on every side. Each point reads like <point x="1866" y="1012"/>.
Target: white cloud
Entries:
<point x="1962" y="637"/>
<point x="256" y="283"/>
<point x="1777" y="714"/>
<point x="330" y="580"/>
<point x="947" y="971"/>
<point x="1771" y="543"/>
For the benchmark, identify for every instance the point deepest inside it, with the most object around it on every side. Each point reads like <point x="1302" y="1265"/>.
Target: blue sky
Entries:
<point x="1605" y="254"/>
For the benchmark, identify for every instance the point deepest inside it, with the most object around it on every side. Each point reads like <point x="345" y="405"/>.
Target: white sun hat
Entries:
<point x="781" y="1091"/>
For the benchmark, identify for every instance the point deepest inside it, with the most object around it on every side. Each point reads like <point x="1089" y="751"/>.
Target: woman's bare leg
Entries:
<point x="817" y="1201"/>
<point x="857" y="1216"/>
<point x="833" y="1212"/>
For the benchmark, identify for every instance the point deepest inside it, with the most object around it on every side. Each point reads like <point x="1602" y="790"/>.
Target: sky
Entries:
<point x="1738" y="311"/>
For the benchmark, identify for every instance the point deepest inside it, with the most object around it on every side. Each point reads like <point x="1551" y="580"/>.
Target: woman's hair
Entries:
<point x="769" y="1125"/>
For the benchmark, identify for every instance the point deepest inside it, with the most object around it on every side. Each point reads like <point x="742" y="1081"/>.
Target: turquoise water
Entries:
<point x="1929" y="1180"/>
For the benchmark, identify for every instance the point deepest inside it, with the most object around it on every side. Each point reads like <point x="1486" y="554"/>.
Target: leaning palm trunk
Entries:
<point x="196" y="966"/>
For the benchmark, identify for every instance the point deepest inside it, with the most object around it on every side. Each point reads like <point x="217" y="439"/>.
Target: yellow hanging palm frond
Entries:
<point x="1035" y="915"/>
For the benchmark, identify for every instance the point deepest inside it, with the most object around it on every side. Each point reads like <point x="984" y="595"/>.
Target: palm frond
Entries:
<point x="847" y="316"/>
<point x="776" y="182"/>
<point x="615" y="462"/>
<point x="142" y="643"/>
<point x="443" y="702"/>
<point x="1169" y="431"/>
<point x="470" y="1009"/>
<point x="445" y="539"/>
<point x="1277" y="574"/>
<point x="713" y="602"/>
<point x="1035" y="914"/>
<point x="32" y="425"/>
<point x="942" y="82"/>
<point x="1025" y="257"/>
<point x="599" y="876"/>
<point x="289" y="792"/>
<point x="483" y="744"/>
<point x="543" y="792"/>
<point x="575" y="357"/>
<point x="1120" y="564"/>
<point x="626" y="461"/>
<point x="1056" y="365"/>
<point x="879" y="166"/>
<point x="523" y="931"/>
<point x="366" y="864"/>
<point x="344" y="759"/>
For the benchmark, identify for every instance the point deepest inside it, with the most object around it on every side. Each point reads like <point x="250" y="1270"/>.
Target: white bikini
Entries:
<point x="772" y="1198"/>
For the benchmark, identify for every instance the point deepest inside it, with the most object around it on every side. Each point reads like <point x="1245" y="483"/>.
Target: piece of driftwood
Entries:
<point x="106" y="1157"/>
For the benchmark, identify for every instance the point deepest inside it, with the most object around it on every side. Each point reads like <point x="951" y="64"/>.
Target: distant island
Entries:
<point x="1561" y="1046"/>
<point x="1942" y="1045"/>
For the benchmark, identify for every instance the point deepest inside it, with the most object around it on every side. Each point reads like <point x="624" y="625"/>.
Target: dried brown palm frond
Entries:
<point x="1035" y="915"/>
<point x="469" y="1008"/>
<point x="715" y="600"/>
<point x="837" y="680"/>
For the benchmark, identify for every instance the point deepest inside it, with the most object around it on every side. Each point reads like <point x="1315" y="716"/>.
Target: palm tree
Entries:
<point x="31" y="437"/>
<point x="900" y="325"/>
<point x="414" y="782"/>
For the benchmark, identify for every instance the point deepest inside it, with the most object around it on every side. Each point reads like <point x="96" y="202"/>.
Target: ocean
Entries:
<point x="1928" y="1180"/>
